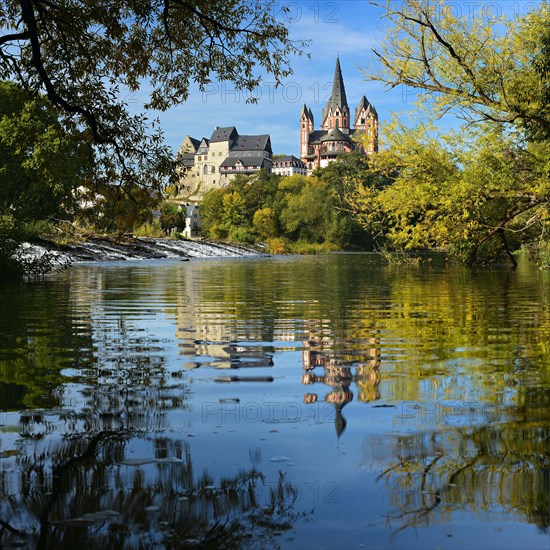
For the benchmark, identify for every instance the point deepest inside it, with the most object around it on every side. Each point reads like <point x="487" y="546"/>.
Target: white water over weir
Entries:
<point x="103" y="249"/>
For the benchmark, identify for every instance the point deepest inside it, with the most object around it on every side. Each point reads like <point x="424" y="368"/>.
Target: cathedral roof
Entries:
<point x="369" y="107"/>
<point x="364" y="102"/>
<point x="307" y="112"/>
<point x="316" y="135"/>
<point x="334" y="135"/>
<point x="338" y="96"/>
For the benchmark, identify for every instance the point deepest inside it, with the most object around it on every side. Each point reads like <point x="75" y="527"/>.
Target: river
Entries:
<point x="296" y="402"/>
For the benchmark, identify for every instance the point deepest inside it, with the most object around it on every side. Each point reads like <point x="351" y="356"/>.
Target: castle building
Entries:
<point x="341" y="131"/>
<point x="289" y="165"/>
<point x="213" y="163"/>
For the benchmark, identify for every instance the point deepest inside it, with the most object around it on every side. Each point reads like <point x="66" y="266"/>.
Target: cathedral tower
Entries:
<point x="306" y="127"/>
<point x="339" y="133"/>
<point x="336" y="111"/>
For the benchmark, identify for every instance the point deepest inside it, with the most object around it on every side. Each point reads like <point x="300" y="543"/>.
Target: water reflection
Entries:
<point x="502" y="469"/>
<point x="125" y="393"/>
<point x="337" y="368"/>
<point x="87" y="490"/>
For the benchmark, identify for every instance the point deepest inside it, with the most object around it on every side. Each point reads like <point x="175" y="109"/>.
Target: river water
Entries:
<point x="301" y="402"/>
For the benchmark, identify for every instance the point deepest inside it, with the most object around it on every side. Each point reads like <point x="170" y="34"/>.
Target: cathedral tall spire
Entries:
<point x="336" y="111"/>
<point x="342" y="130"/>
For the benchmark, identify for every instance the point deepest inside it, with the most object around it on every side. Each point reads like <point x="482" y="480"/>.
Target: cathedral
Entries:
<point x="320" y="147"/>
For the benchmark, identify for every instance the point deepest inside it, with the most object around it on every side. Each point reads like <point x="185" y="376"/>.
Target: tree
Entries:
<point x="484" y="188"/>
<point x="308" y="209"/>
<point x="473" y="193"/>
<point x="172" y="219"/>
<point x="40" y="163"/>
<point x="485" y="68"/>
<point x="41" y="166"/>
<point x="265" y="223"/>
<point x="85" y="56"/>
<point x="211" y="214"/>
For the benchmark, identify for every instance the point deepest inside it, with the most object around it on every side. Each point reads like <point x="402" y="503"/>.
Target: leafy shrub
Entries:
<point x="149" y="229"/>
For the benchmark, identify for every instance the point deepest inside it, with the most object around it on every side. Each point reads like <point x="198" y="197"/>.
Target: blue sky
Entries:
<point x="347" y="28"/>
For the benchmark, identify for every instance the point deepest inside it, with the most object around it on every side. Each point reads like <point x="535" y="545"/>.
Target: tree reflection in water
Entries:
<point x="83" y="489"/>
<point x="98" y="456"/>
<point x="68" y="476"/>
<point x="502" y="468"/>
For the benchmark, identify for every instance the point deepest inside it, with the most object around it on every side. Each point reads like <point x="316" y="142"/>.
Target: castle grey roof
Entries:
<point x="223" y="134"/>
<point x="287" y="158"/>
<point x="188" y="159"/>
<point x="247" y="162"/>
<point x="260" y="142"/>
<point x="338" y="96"/>
<point x="194" y="142"/>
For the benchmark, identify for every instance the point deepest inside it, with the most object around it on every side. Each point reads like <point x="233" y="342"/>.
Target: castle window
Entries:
<point x="362" y="120"/>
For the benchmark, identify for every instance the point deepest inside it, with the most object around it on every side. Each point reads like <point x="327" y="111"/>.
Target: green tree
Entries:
<point x="172" y="218"/>
<point x="306" y="213"/>
<point x="211" y="214"/>
<point x="265" y="223"/>
<point x="473" y="193"/>
<point x="87" y="56"/>
<point x="483" y="189"/>
<point x="234" y="210"/>
<point x="41" y="167"/>
<point x="485" y="68"/>
<point x="40" y="163"/>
